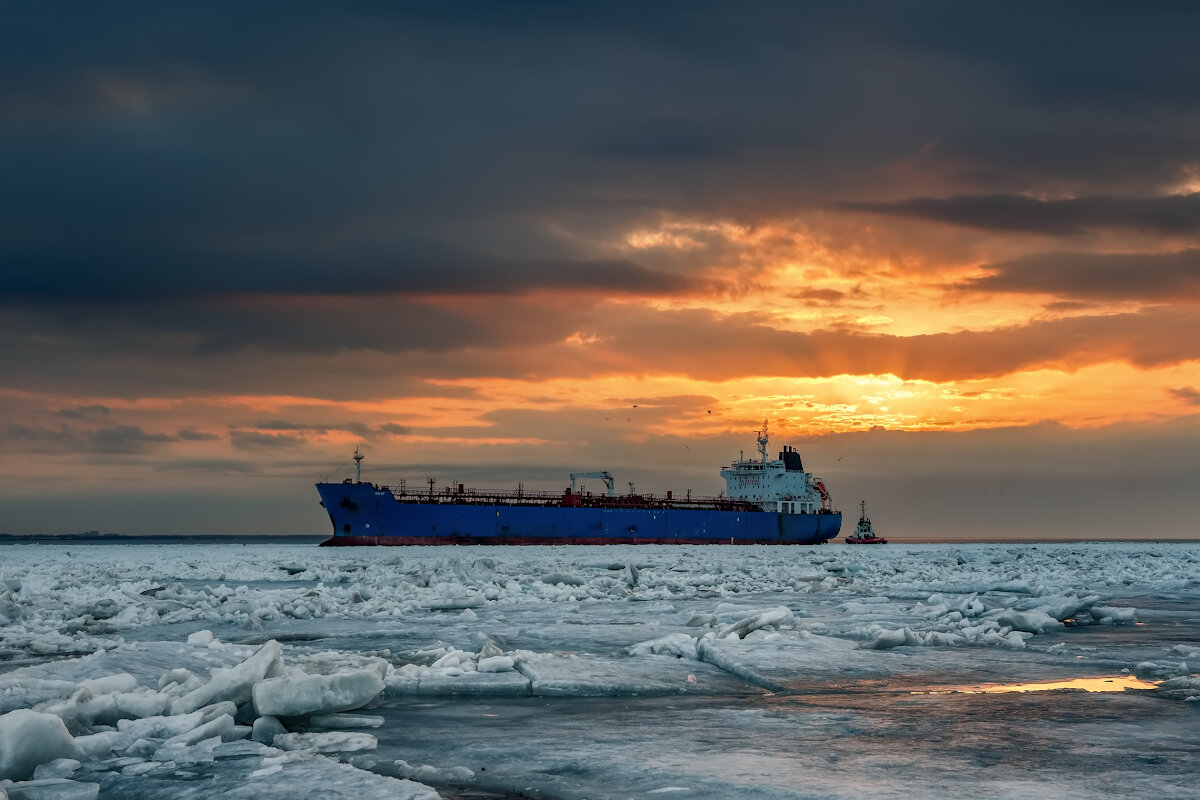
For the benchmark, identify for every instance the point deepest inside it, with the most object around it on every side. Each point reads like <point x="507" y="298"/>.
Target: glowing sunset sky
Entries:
<point x="951" y="252"/>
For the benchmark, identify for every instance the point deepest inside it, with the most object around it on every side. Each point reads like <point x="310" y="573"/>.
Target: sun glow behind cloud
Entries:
<point x="596" y="257"/>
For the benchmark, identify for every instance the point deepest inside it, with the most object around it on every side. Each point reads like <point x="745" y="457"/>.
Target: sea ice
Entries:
<point x="551" y="670"/>
<point x="266" y="728"/>
<point x="1033" y="621"/>
<point x="773" y="618"/>
<point x="58" y="768"/>
<point x="29" y="738"/>
<point x="303" y="695"/>
<point x="509" y="684"/>
<point x="495" y="664"/>
<point x="53" y="789"/>
<point x="235" y="683"/>
<point x="342" y="721"/>
<point x="326" y="742"/>
<point x="221" y="727"/>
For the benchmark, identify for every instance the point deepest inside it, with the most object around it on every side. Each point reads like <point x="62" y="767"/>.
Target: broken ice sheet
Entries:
<point x="765" y="672"/>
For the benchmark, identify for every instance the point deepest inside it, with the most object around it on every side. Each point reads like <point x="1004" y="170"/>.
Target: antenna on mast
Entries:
<point x="762" y="441"/>
<point x="358" y="457"/>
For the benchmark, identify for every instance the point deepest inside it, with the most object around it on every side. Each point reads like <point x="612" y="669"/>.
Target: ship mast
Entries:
<point x="358" y="457"/>
<point x="762" y="442"/>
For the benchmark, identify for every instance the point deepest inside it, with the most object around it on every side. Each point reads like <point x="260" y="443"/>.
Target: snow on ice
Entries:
<point x="204" y="670"/>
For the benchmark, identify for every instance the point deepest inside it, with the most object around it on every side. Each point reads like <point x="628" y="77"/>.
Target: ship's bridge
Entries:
<point x="779" y="485"/>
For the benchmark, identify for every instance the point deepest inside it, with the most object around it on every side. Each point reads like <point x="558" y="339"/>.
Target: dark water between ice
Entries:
<point x="782" y="722"/>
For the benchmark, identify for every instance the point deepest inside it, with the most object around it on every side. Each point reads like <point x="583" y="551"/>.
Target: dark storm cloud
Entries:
<point x="1172" y="215"/>
<point x="1161" y="277"/>
<point x="162" y="163"/>
<point x="707" y="347"/>
<point x="701" y="344"/>
<point x="82" y="412"/>
<point x="209" y="466"/>
<point x="253" y="440"/>
<point x="1068" y="157"/>
<point x="820" y="297"/>
<point x="64" y="439"/>
<point x="188" y="435"/>
<point x="284" y="425"/>
<point x="48" y="268"/>
<point x="1187" y="394"/>
<point x="179" y="332"/>
<point x="670" y="140"/>
<point x="356" y="428"/>
<point x="154" y="150"/>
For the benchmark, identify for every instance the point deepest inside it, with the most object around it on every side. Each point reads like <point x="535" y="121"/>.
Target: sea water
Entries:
<point x="932" y="670"/>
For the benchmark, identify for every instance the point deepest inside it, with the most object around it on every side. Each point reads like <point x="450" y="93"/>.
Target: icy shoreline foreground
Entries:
<point x="142" y="671"/>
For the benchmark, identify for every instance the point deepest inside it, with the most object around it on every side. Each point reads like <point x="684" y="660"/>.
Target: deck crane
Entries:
<point x="604" y="475"/>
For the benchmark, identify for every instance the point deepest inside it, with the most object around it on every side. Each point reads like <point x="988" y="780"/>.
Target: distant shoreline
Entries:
<point x="280" y="538"/>
<point x="160" y="538"/>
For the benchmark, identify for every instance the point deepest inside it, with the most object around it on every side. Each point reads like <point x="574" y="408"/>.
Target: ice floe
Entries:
<point x="266" y="667"/>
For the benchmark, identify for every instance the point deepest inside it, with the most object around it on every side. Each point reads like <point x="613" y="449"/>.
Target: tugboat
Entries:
<point x="864" y="533"/>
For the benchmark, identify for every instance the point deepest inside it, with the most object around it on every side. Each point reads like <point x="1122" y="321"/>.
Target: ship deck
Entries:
<point x="475" y="497"/>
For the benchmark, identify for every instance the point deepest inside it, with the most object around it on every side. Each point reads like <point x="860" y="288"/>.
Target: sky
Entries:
<point x="949" y="251"/>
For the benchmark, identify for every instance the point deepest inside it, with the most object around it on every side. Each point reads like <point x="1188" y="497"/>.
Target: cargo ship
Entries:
<point x="766" y="501"/>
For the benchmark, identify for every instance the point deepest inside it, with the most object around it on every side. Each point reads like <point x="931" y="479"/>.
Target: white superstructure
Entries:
<point x="780" y="485"/>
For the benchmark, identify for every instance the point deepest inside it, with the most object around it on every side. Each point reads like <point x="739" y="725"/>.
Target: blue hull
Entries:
<point x="364" y="515"/>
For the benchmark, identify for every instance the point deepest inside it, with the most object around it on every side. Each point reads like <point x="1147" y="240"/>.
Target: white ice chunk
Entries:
<point x="221" y="727"/>
<point x="266" y="772"/>
<point x="507" y="684"/>
<point x="455" y="659"/>
<point x="209" y="713"/>
<point x="1182" y="682"/>
<point x="884" y="639"/>
<point x="176" y="677"/>
<point x="1186" y="688"/>
<point x="675" y="644"/>
<point x="266" y="728"/>
<point x="1033" y="621"/>
<point x="771" y="618"/>
<point x="241" y="748"/>
<point x="456" y="603"/>
<point x="327" y="742"/>
<point x="110" y="684"/>
<point x="106" y="709"/>
<point x="53" y="789"/>
<point x="183" y="753"/>
<point x="201" y="638"/>
<point x="138" y="704"/>
<point x="144" y="767"/>
<point x="96" y="745"/>
<point x="334" y="722"/>
<point x="595" y="676"/>
<point x="331" y="663"/>
<point x="1117" y="614"/>
<point x="495" y="664"/>
<point x="58" y="768"/>
<point x="1060" y="607"/>
<point x="161" y="727"/>
<point x="303" y="695"/>
<point x="29" y="738"/>
<point x="1159" y="669"/>
<point x="235" y="684"/>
